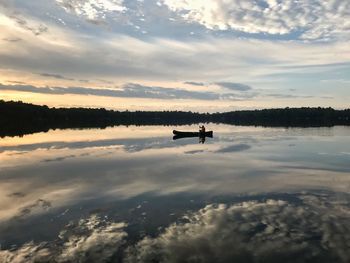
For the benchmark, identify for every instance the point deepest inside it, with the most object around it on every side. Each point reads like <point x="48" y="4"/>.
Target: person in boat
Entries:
<point x="202" y="129"/>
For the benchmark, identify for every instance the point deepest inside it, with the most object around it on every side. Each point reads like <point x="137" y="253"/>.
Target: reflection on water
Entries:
<point x="133" y="194"/>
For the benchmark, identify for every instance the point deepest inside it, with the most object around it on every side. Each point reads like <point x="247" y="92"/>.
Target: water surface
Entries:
<point x="132" y="194"/>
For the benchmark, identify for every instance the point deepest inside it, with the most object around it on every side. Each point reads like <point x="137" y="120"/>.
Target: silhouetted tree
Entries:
<point x="18" y="118"/>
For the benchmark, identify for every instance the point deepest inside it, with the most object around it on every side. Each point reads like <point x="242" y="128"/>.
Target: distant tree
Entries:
<point x="18" y="118"/>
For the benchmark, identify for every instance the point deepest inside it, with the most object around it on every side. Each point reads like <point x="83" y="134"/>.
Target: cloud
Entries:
<point x="12" y="40"/>
<point x="234" y="148"/>
<point x="130" y="90"/>
<point x="117" y="56"/>
<point x="310" y="19"/>
<point x="59" y="159"/>
<point x="24" y="24"/>
<point x="193" y="83"/>
<point x="90" y="240"/>
<point x="297" y="96"/>
<point x="234" y="86"/>
<point x="56" y="76"/>
<point x="17" y="195"/>
<point x="129" y="145"/>
<point x="272" y="230"/>
<point x="305" y="228"/>
<point x="92" y="10"/>
<point x="289" y="96"/>
<point x="194" y="152"/>
<point x="239" y="97"/>
<point x="27" y="253"/>
<point x="38" y="205"/>
<point x="16" y="82"/>
<point x="119" y="52"/>
<point x="137" y="90"/>
<point x="105" y="81"/>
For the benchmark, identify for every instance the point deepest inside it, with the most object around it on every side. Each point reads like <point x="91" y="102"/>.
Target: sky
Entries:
<point x="206" y="56"/>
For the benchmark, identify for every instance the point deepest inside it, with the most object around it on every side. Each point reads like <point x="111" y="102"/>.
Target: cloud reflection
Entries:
<point x="306" y="228"/>
<point x="89" y="240"/>
<point x="234" y="148"/>
<point x="315" y="230"/>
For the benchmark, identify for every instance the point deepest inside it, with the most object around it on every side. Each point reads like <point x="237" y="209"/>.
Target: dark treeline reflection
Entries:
<point x="18" y="118"/>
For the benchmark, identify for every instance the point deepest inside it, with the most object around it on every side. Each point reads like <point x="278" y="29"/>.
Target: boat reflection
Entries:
<point x="201" y="135"/>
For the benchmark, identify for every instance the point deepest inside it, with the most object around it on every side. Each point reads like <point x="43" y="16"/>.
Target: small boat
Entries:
<point x="193" y="134"/>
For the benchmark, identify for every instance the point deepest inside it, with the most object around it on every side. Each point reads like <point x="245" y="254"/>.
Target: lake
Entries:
<point x="133" y="194"/>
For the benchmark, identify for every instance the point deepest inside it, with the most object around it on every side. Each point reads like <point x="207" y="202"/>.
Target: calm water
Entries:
<point x="132" y="194"/>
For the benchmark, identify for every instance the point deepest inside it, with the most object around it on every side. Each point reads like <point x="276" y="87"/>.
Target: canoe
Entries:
<point x="193" y="134"/>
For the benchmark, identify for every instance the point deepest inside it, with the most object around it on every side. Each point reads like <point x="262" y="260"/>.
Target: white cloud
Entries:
<point x="156" y="58"/>
<point x="125" y="57"/>
<point x="316" y="19"/>
<point x="92" y="9"/>
<point x="92" y="240"/>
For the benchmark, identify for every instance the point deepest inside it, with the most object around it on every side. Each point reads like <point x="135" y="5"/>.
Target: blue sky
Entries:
<point x="213" y="55"/>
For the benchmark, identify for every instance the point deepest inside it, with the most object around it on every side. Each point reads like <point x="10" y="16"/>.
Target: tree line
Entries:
<point x="18" y="118"/>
